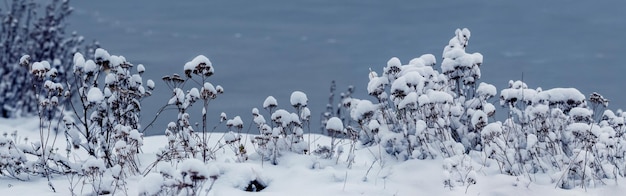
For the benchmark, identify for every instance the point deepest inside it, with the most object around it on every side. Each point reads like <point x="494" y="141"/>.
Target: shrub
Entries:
<point x="422" y="113"/>
<point x="284" y="133"/>
<point x="184" y="141"/>
<point x="27" y="29"/>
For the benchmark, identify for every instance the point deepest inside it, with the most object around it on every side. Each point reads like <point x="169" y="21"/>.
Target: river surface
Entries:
<point x="274" y="47"/>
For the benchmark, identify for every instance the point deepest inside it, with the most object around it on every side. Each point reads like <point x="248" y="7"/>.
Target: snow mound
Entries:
<point x="151" y="184"/>
<point x="194" y="168"/>
<point x="569" y="96"/>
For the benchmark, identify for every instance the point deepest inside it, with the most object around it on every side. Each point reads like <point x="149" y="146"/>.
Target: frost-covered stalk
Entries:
<point x="592" y="144"/>
<point x="422" y="112"/>
<point x="354" y="138"/>
<point x="616" y="148"/>
<point x="497" y="147"/>
<point x="13" y="159"/>
<point x="299" y="101"/>
<point x="261" y="141"/>
<point x="110" y="96"/>
<point x="477" y="111"/>
<point x="188" y="179"/>
<point x="48" y="109"/>
<point x="202" y="67"/>
<point x="462" y="69"/>
<point x="458" y="171"/>
<point x="105" y="119"/>
<point x="330" y="107"/>
<point x="180" y="133"/>
<point x="517" y="98"/>
<point x="554" y="131"/>
<point x="334" y="128"/>
<point x="284" y="133"/>
<point x="50" y="95"/>
<point x="100" y="178"/>
<point x="233" y="138"/>
<point x="184" y="142"/>
<point x="340" y="110"/>
<point x="305" y="115"/>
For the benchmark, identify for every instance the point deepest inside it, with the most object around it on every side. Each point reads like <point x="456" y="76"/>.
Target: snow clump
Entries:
<point x="270" y="102"/>
<point x="94" y="95"/>
<point x="334" y="124"/>
<point x="151" y="184"/>
<point x="298" y="99"/>
<point x="194" y="169"/>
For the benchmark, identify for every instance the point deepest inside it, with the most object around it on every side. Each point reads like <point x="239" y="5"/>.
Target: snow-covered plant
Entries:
<point x="498" y="146"/>
<point x="107" y="116"/>
<point x="556" y="131"/>
<point x="461" y="69"/>
<point x="334" y="128"/>
<point x="13" y="161"/>
<point x="103" y="121"/>
<point x="591" y="147"/>
<point x="422" y="113"/>
<point x="183" y="140"/>
<point x="100" y="179"/>
<point x="330" y="107"/>
<point x="94" y="171"/>
<point x="39" y="30"/>
<point x="458" y="171"/>
<point x="48" y="161"/>
<point x="614" y="146"/>
<point x="581" y="171"/>
<point x="49" y="110"/>
<point x="339" y="109"/>
<point x="285" y="131"/>
<point x="233" y="138"/>
<point x="189" y="179"/>
<point x="340" y="113"/>
<point x="530" y="139"/>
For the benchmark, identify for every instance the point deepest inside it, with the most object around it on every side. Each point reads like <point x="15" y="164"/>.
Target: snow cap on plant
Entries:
<point x="25" y="60"/>
<point x="270" y="103"/>
<point x="363" y="109"/>
<point x="194" y="169"/>
<point x="393" y="67"/>
<point x="39" y="69"/>
<point x="95" y="95"/>
<point x="208" y="91"/>
<point x="335" y="125"/>
<point x="141" y="69"/>
<point x="200" y="65"/>
<point x="298" y="99"/>
<point x="235" y="122"/>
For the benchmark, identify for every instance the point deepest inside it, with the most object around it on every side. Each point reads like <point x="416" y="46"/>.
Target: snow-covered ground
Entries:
<point x="309" y="175"/>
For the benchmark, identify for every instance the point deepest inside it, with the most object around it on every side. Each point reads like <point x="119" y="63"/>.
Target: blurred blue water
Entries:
<point x="273" y="47"/>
